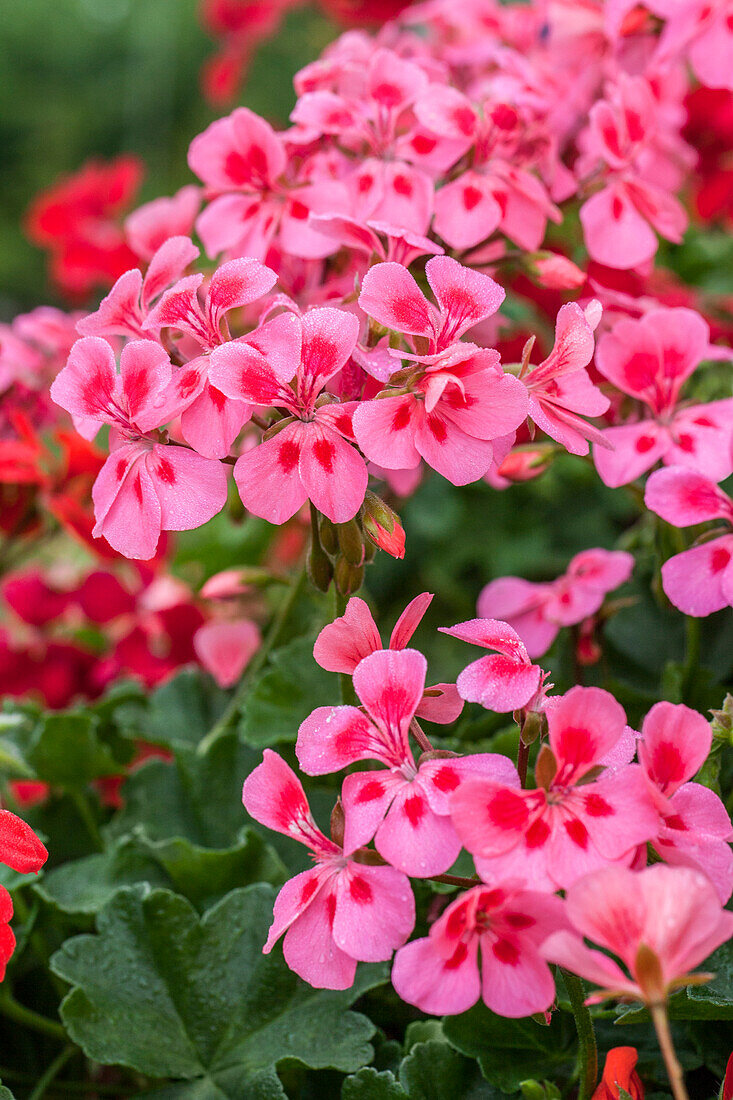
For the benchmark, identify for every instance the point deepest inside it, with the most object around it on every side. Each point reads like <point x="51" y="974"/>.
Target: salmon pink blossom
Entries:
<point x="661" y="922"/>
<point x="405" y="809"/>
<point x="144" y="486"/>
<point x="573" y="823"/>
<point x="538" y="611"/>
<point x="697" y="581"/>
<point x="224" y="647"/>
<point x="340" y="911"/>
<point x="441" y="973"/>
<point x="505" y="681"/>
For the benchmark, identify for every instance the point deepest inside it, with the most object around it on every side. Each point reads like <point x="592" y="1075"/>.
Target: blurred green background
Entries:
<point x="95" y="78"/>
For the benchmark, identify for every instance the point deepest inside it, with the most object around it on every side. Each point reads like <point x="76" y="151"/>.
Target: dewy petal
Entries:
<point x="490" y="818"/>
<point x="348" y="639"/>
<point x="516" y="980"/>
<point x="212" y="421"/>
<point x="237" y="283"/>
<point x="145" y="375"/>
<point x="390" y="684"/>
<point x="698" y="581"/>
<point x="441" y="778"/>
<point x="191" y="489"/>
<point x="423" y="977"/>
<point x="243" y="373"/>
<point x="126" y="506"/>
<point x="331" y="738"/>
<point x="461" y="458"/>
<point x="391" y="296"/>
<point x="465" y="296"/>
<point x="20" y="848"/>
<point x="584" y="725"/>
<point x="385" y="431"/>
<point x="366" y="797"/>
<point x="166" y="267"/>
<point x="268" y="479"/>
<point x="444" y="707"/>
<point x="86" y="385"/>
<point x="675" y="742"/>
<point x="413" y="837"/>
<point x="294" y="898"/>
<point x="332" y="472"/>
<point x="329" y="337"/>
<point x="280" y="341"/>
<point x="685" y="497"/>
<point x="375" y="911"/>
<point x="119" y="313"/>
<point x="492" y="634"/>
<point x="684" y="922"/>
<point x="499" y="683"/>
<point x="273" y="795"/>
<point x="310" y="949"/>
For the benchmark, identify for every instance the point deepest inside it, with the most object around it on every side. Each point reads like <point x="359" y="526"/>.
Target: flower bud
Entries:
<point x="348" y="578"/>
<point x="327" y="534"/>
<point x="351" y="542"/>
<point x="722" y="724"/>
<point x="383" y="526"/>
<point x="320" y="570"/>
<point x="555" y="272"/>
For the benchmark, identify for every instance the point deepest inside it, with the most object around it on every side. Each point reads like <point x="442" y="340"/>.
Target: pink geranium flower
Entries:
<point x="458" y="399"/>
<point x="560" y="391"/>
<point x="694" y="827"/>
<point x="537" y="611"/>
<point x="155" y="222"/>
<point x="505" y="681"/>
<point x="405" y="809"/>
<point x="339" y="912"/>
<point x="144" y="486"/>
<point x="703" y="32"/>
<point x="661" y="922"/>
<point x="650" y="359"/>
<point x="572" y="824"/>
<point x="243" y="163"/>
<point x="697" y="581"/>
<point x="310" y="456"/>
<point x="342" y="644"/>
<point x="441" y="975"/>
<point x="225" y="647"/>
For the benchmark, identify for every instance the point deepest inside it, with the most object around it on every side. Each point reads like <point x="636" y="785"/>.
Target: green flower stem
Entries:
<point x="692" y="651"/>
<point x="346" y="686"/>
<point x="52" y="1072"/>
<point x="26" y="1016"/>
<point x="85" y="813"/>
<point x="588" y="1051"/>
<point x="272" y="639"/>
<point x="671" y="1062"/>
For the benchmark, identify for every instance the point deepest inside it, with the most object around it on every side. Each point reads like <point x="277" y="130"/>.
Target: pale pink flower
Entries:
<point x="341" y="910"/>
<point x="310" y="456"/>
<point x="144" y="486"/>
<point x="702" y="31"/>
<point x="661" y="922"/>
<point x="342" y="644"/>
<point x="243" y="162"/>
<point x="225" y="647"/>
<point x="441" y="973"/>
<point x="650" y="359"/>
<point x="572" y="824"/>
<point x="560" y="391"/>
<point x="153" y="223"/>
<point x="537" y="611"/>
<point x="505" y="681"/>
<point x="406" y="808"/>
<point x="697" y="581"/>
<point x="694" y="827"/>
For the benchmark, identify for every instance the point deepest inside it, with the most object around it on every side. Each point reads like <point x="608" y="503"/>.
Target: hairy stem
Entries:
<point x="522" y="760"/>
<point x="588" y="1051"/>
<point x="671" y="1062"/>
<point x="420" y="736"/>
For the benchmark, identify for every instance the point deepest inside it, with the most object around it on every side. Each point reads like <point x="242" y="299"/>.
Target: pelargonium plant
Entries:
<point x="435" y="321"/>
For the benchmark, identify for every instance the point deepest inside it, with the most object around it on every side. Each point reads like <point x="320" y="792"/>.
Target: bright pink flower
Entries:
<point x="242" y="162"/>
<point x="698" y="581"/>
<point x="441" y="975"/>
<point x="123" y="311"/>
<point x="153" y="223"/>
<point x="505" y="681"/>
<point x="671" y="912"/>
<point x="405" y="809"/>
<point x="650" y="359"/>
<point x="144" y="486"/>
<point x="224" y="647"/>
<point x="345" y="642"/>
<point x="342" y="910"/>
<point x="560" y="391"/>
<point x="400" y="245"/>
<point x="310" y="457"/>
<point x="694" y="827"/>
<point x="703" y="32"/>
<point x="538" y="611"/>
<point x="570" y="826"/>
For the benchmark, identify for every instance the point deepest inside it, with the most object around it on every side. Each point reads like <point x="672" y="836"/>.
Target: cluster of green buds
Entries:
<point x="340" y="551"/>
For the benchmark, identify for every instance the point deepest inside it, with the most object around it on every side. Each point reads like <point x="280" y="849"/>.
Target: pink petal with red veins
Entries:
<point x="409" y="621"/>
<point x="459" y="457"/>
<point x="686" y="497"/>
<point x="516" y="980"/>
<point x="152" y="224"/>
<point x="700" y="581"/>
<point x="280" y="341"/>
<point x="86" y="385"/>
<point x="166" y="267"/>
<point x="119" y="312"/>
<point x="491" y="634"/>
<point x="225" y="648"/>
<point x="366" y="797"/>
<point x="243" y="224"/>
<point x="348" y="639"/>
<point x="618" y="812"/>
<point x="273" y="795"/>
<point x="675" y="742"/>
<point x="701" y="440"/>
<point x="126" y="505"/>
<point x="240" y="151"/>
<point x="331" y="738"/>
<point x="465" y="296"/>
<point x="489" y="406"/>
<point x="145" y="374"/>
<point x="422" y="977"/>
<point x="585" y="724"/>
<point x="442" y="778"/>
<point x="491" y="818"/>
<point x="616" y="234"/>
<point x="268" y="479"/>
<point x="179" y="308"/>
<point x="212" y="422"/>
<point x="293" y="899"/>
<point x="499" y="683"/>
<point x="329" y="337"/>
<point x="242" y="373"/>
<point x="191" y="489"/>
<point x="390" y="684"/>
<point x="299" y="235"/>
<point x="237" y="283"/>
<point x="385" y="431"/>
<point x="683" y="919"/>
<point x="446" y="111"/>
<point x="568" y="950"/>
<point x="415" y="839"/>
<point x="375" y="911"/>
<point x="443" y="708"/>
<point x="333" y="472"/>
<point x="466" y="211"/>
<point x="310" y="949"/>
<point x="391" y="296"/>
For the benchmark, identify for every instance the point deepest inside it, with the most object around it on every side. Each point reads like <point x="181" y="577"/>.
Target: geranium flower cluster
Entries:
<point x="603" y="794"/>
